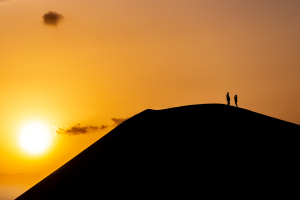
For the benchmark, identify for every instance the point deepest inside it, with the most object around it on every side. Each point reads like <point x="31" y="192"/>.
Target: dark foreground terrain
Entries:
<point x="186" y="152"/>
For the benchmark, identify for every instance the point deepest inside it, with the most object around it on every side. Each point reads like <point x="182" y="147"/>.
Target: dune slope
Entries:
<point x="188" y="152"/>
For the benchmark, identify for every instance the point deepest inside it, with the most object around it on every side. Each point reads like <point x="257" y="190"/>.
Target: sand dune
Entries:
<point x="184" y="152"/>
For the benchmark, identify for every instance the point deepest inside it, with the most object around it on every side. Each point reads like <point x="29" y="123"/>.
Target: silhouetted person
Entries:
<point x="235" y="100"/>
<point x="228" y="99"/>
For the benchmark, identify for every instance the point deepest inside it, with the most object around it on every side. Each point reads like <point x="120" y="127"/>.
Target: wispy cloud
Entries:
<point x="118" y="121"/>
<point x="79" y="129"/>
<point x="52" y="18"/>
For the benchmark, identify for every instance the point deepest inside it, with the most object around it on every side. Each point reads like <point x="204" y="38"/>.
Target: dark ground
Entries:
<point x="184" y="152"/>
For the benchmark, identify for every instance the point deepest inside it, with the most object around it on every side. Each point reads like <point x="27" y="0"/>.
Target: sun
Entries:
<point x="35" y="137"/>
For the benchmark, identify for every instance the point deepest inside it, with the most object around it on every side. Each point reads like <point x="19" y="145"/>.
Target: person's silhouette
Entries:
<point x="235" y="100"/>
<point x="228" y="99"/>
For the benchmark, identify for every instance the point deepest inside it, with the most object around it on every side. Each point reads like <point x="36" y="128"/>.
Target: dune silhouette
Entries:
<point x="183" y="152"/>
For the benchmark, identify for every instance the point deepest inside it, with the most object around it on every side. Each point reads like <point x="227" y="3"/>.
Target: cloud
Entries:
<point x="118" y="121"/>
<point x="103" y="127"/>
<point x="79" y="129"/>
<point x="52" y="18"/>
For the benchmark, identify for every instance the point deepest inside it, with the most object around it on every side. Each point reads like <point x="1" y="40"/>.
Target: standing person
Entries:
<point x="228" y="99"/>
<point x="235" y="100"/>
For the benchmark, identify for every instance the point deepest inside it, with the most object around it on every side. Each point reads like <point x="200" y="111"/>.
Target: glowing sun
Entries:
<point x="35" y="137"/>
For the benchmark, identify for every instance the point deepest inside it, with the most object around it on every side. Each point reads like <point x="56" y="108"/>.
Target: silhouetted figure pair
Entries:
<point x="228" y="99"/>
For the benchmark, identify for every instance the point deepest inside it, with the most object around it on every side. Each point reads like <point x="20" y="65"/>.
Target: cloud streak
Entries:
<point x="79" y="129"/>
<point x="118" y="121"/>
<point x="52" y="18"/>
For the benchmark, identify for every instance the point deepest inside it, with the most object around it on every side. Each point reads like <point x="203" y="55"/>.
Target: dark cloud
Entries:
<point x="84" y="129"/>
<point x="79" y="129"/>
<point x="52" y="18"/>
<point x="103" y="127"/>
<point x="118" y="121"/>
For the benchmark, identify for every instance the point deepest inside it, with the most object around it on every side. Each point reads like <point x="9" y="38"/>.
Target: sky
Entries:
<point x="83" y="66"/>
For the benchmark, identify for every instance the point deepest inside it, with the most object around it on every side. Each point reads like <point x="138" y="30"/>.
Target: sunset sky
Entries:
<point x="101" y="61"/>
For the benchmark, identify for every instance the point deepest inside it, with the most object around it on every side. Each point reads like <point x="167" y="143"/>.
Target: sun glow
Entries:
<point x="35" y="137"/>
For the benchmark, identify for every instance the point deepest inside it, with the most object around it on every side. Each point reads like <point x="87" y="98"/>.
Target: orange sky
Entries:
<point x="115" y="58"/>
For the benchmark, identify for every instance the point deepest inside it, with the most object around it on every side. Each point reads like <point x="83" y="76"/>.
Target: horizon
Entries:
<point x="71" y="71"/>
